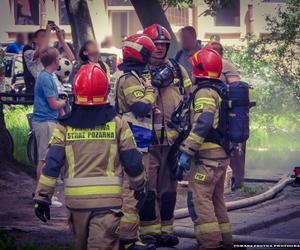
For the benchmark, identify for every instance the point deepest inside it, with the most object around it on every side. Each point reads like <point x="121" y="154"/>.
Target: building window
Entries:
<point x="119" y="3"/>
<point x="178" y="17"/>
<point x="63" y="15"/>
<point x="229" y="15"/>
<point x="275" y="1"/>
<point x="26" y="12"/>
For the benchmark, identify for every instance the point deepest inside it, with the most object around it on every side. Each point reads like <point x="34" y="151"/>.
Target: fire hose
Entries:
<point x="232" y="205"/>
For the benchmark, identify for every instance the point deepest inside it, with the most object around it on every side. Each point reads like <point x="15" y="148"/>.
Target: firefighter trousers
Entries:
<point x="157" y="213"/>
<point x="95" y="230"/>
<point x="206" y="204"/>
<point x="129" y="224"/>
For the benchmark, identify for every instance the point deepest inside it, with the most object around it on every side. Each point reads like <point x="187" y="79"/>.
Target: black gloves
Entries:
<point x="42" y="210"/>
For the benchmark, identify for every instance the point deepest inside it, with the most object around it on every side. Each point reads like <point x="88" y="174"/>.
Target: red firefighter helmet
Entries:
<point x="91" y="85"/>
<point x="139" y="47"/>
<point x="158" y="33"/>
<point x="207" y="63"/>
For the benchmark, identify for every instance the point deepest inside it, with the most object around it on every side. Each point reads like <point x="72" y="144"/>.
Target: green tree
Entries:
<point x="280" y="48"/>
<point x="80" y="21"/>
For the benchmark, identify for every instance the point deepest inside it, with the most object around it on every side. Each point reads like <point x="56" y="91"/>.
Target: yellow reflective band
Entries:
<point x="203" y="100"/>
<point x="126" y="135"/>
<point x="130" y="218"/>
<point x="138" y="94"/>
<point x="111" y="160"/>
<point x="171" y="133"/>
<point x="207" y="228"/>
<point x="93" y="190"/>
<point x="93" y="181"/>
<point x="82" y="99"/>
<point x="195" y="138"/>
<point x="47" y="181"/>
<point x="98" y="99"/>
<point x="213" y="74"/>
<point x="187" y="83"/>
<point x="209" y="145"/>
<point x="105" y="132"/>
<point x="225" y="227"/>
<point x="133" y="45"/>
<point x="149" y="98"/>
<point x="167" y="229"/>
<point x="150" y="229"/>
<point x="70" y="160"/>
<point x="57" y="134"/>
<point x="133" y="88"/>
<point x="200" y="177"/>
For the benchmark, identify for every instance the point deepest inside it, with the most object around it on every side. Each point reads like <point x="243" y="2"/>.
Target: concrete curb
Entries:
<point x="269" y="221"/>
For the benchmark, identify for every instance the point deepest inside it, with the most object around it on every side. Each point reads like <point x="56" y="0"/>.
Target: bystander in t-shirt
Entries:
<point x="45" y="88"/>
<point x="35" y="67"/>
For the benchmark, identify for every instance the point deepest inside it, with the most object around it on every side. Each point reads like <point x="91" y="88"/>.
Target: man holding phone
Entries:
<point x="41" y="40"/>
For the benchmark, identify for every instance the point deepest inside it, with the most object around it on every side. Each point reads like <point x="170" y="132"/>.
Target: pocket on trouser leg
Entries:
<point x="168" y="202"/>
<point x="148" y="210"/>
<point x="203" y="174"/>
<point x="191" y="206"/>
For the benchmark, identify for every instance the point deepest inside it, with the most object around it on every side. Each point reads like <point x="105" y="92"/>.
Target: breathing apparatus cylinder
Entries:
<point x="239" y="107"/>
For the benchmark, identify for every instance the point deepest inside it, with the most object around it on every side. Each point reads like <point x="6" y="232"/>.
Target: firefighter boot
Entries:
<point x="167" y="240"/>
<point x="135" y="245"/>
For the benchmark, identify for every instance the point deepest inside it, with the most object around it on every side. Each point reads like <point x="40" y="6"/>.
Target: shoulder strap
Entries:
<point x="217" y="135"/>
<point x="176" y="66"/>
<point x="218" y="86"/>
<point x="102" y="65"/>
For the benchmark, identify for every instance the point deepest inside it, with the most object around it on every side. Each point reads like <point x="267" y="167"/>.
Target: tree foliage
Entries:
<point x="213" y="5"/>
<point x="280" y="49"/>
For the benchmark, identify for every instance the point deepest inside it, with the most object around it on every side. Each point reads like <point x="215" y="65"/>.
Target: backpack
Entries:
<point x="233" y="126"/>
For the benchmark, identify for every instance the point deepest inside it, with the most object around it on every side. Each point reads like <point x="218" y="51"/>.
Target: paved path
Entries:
<point x="279" y="217"/>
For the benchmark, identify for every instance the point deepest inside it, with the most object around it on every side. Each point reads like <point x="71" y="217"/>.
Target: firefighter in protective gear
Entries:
<point x="96" y="151"/>
<point x="157" y="214"/>
<point x="135" y="97"/>
<point x="207" y="158"/>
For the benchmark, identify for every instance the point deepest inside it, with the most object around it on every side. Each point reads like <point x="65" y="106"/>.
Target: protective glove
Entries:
<point x="184" y="161"/>
<point x="42" y="210"/>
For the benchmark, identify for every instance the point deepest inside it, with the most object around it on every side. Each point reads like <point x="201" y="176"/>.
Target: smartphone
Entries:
<point x="51" y="23"/>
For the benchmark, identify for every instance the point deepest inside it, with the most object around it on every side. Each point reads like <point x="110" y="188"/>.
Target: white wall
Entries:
<point x="96" y="7"/>
<point x="206" y="24"/>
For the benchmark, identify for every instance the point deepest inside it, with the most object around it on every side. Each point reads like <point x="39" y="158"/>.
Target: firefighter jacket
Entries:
<point x="167" y="100"/>
<point x="204" y="114"/>
<point x="94" y="158"/>
<point x="134" y="102"/>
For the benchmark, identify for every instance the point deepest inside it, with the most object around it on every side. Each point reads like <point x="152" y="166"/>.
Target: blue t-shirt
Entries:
<point x="14" y="48"/>
<point x="45" y="87"/>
